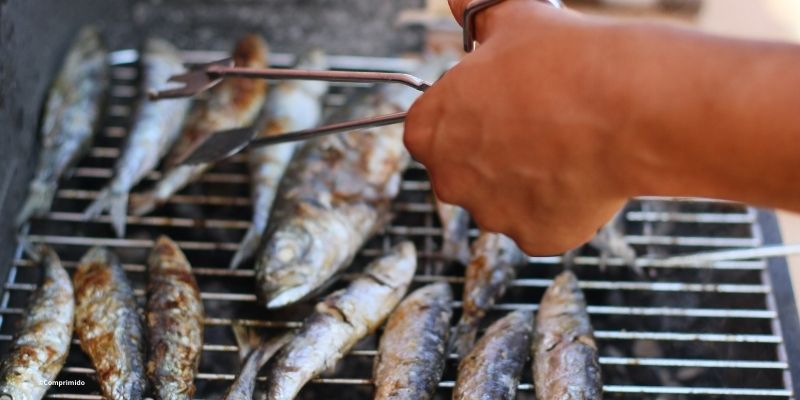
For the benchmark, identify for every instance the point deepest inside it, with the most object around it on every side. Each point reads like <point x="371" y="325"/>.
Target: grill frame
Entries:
<point x="780" y="309"/>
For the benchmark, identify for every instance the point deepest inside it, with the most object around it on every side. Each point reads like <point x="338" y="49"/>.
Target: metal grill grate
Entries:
<point x="668" y="333"/>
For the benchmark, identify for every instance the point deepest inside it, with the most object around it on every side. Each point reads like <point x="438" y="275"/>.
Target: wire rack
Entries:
<point x="675" y="332"/>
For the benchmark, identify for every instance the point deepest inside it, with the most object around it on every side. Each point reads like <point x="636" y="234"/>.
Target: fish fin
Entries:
<point x="247" y="247"/>
<point x="144" y="203"/>
<point x="115" y="203"/>
<point x="269" y="347"/>
<point x="247" y="339"/>
<point x="39" y="201"/>
<point x="463" y="338"/>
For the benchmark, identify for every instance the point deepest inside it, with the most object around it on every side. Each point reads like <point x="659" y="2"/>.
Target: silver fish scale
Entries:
<point x="679" y="332"/>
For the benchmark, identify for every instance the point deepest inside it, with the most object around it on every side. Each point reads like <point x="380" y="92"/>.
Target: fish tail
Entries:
<point x="39" y="201"/>
<point x="117" y="205"/>
<point x="119" y="211"/>
<point x="463" y="338"/>
<point x="268" y="348"/>
<point x="142" y="204"/>
<point x="35" y="252"/>
<point x="251" y="343"/>
<point x="247" y="339"/>
<point x="247" y="247"/>
<point x="457" y="250"/>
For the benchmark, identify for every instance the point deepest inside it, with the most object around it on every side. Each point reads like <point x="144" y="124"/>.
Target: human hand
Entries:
<point x="518" y="132"/>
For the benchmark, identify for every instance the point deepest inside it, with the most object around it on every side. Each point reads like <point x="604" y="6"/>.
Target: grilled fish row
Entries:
<point x="111" y="331"/>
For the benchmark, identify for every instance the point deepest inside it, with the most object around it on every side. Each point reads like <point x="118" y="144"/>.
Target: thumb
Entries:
<point x="457" y="8"/>
<point x="421" y="124"/>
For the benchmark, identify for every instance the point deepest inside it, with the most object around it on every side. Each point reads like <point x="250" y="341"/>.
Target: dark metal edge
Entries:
<point x="782" y="292"/>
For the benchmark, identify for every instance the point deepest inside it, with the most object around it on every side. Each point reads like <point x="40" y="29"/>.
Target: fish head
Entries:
<point x="290" y="273"/>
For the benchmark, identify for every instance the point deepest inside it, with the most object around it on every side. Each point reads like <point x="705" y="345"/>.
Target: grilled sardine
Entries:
<point x="565" y="360"/>
<point x="254" y="353"/>
<point x="233" y="103"/>
<point x="491" y="371"/>
<point x="492" y="268"/>
<point x="412" y="350"/>
<point x="42" y="342"/>
<point x="291" y="106"/>
<point x="109" y="326"/>
<point x="174" y="317"/>
<point x="340" y="321"/>
<point x="334" y="195"/>
<point x="455" y="231"/>
<point x="155" y="128"/>
<point x="70" y="118"/>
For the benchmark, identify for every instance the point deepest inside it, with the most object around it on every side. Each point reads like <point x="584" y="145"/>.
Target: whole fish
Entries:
<point x="233" y="103"/>
<point x="71" y="115"/>
<point x="335" y="194"/>
<point x="109" y="326"/>
<point x="342" y="319"/>
<point x="254" y="353"/>
<point x="565" y="360"/>
<point x="174" y="317"/>
<point x="491" y="371"/>
<point x="455" y="231"/>
<point x="412" y="351"/>
<point x="291" y="106"/>
<point x="495" y="258"/>
<point x="42" y="342"/>
<point x="155" y="128"/>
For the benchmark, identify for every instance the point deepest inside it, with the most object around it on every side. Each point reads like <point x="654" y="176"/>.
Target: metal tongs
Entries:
<point x="224" y="144"/>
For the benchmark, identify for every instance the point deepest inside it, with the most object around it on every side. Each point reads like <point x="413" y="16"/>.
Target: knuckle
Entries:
<point x="445" y="190"/>
<point x="486" y="220"/>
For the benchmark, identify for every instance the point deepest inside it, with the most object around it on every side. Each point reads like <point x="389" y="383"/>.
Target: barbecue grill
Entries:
<point x="718" y="331"/>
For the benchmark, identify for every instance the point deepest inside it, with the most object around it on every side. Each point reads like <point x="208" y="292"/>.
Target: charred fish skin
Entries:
<point x="565" y="364"/>
<point x="412" y="351"/>
<point x="340" y="321"/>
<point x="233" y="103"/>
<point x="109" y="326"/>
<point x="346" y="181"/>
<point x="455" y="231"/>
<point x="254" y="353"/>
<point x="42" y="342"/>
<point x="492" y="370"/>
<point x="492" y="268"/>
<point x="71" y="115"/>
<point x="174" y="318"/>
<point x="290" y="106"/>
<point x="156" y="127"/>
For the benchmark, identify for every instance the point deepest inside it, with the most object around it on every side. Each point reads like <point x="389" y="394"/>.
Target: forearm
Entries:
<point x="713" y="117"/>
